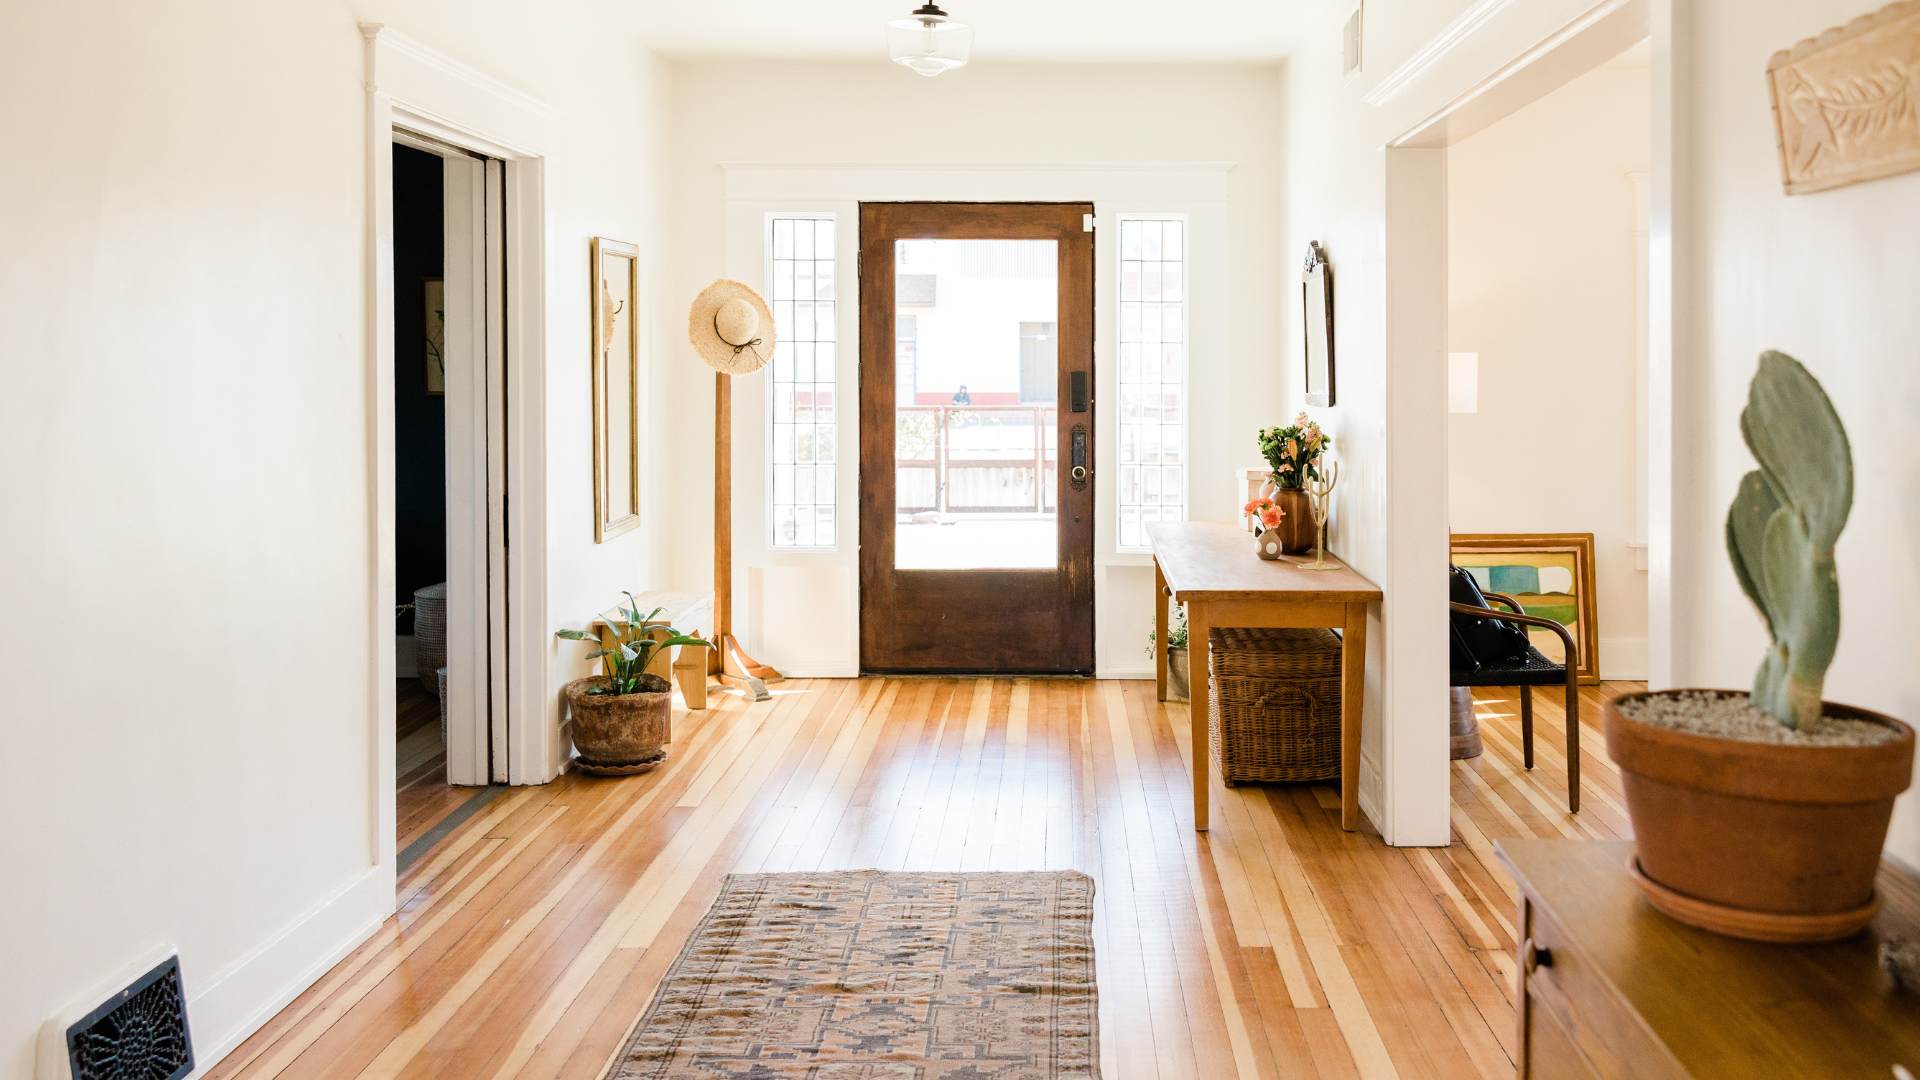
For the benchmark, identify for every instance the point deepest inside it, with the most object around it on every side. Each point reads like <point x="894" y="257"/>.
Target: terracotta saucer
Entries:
<point x="1753" y="925"/>
<point x="634" y="768"/>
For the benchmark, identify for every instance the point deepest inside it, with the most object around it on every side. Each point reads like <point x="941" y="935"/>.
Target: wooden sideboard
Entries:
<point x="1609" y="987"/>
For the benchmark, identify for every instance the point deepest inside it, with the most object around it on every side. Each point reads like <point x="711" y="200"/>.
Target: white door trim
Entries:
<point x="415" y="88"/>
<point x="1500" y="79"/>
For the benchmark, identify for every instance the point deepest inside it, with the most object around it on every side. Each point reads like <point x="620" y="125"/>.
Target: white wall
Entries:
<point x="1542" y="223"/>
<point x="1830" y="278"/>
<point x="985" y="122"/>
<point x="185" y="532"/>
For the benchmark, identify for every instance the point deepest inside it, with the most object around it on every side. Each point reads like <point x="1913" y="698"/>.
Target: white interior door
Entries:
<point x="472" y="316"/>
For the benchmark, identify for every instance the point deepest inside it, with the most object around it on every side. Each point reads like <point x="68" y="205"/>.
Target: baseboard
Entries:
<point x="1623" y="658"/>
<point x="237" y="1002"/>
<point x="1124" y="673"/>
<point x="1370" y="782"/>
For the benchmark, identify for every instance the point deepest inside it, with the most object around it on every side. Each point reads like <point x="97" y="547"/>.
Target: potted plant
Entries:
<point x="1293" y="453"/>
<point x="620" y="717"/>
<point x="1762" y="815"/>
<point x="1177" y="662"/>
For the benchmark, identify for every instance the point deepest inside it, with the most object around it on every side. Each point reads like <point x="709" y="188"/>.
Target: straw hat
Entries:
<point x="731" y="327"/>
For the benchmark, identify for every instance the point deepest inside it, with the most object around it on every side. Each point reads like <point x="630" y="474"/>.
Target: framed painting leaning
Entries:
<point x="1551" y="575"/>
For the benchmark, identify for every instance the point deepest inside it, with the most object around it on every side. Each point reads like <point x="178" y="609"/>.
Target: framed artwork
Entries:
<point x="436" y="343"/>
<point x="1316" y="301"/>
<point x="1551" y="575"/>
<point x="616" y="388"/>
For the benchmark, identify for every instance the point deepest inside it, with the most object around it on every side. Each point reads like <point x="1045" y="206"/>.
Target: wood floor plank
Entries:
<point x="529" y="940"/>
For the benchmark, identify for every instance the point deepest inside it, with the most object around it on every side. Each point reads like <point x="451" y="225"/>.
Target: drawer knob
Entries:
<point x="1533" y="956"/>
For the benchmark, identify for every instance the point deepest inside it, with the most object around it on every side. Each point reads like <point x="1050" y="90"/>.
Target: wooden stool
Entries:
<point x="1462" y="725"/>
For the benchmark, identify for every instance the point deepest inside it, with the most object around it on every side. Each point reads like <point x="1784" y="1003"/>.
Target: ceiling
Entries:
<point x="1079" y="30"/>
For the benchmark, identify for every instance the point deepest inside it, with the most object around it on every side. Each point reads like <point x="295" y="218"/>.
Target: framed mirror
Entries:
<point x="616" y="388"/>
<point x="1316" y="300"/>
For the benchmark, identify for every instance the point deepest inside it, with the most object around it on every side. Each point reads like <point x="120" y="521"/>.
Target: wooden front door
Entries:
<point x="976" y="485"/>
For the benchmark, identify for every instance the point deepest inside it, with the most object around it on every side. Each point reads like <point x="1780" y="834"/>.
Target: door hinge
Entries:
<point x="1086" y="222"/>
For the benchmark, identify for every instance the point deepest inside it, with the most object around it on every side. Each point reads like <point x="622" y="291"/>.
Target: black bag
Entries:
<point x="1478" y="642"/>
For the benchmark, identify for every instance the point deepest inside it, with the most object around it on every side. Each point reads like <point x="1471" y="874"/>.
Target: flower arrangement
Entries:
<point x="1266" y="513"/>
<point x="1293" y="452"/>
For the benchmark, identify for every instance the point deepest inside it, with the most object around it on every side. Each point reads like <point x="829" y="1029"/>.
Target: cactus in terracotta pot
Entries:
<point x="1781" y="530"/>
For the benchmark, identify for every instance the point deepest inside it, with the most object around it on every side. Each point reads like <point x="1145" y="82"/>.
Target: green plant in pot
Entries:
<point x="1762" y="815"/>
<point x="620" y="718"/>
<point x="1178" y="670"/>
<point x="1293" y="454"/>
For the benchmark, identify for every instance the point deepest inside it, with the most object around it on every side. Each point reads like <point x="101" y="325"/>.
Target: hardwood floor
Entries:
<point x="423" y="799"/>
<point x="1275" y="945"/>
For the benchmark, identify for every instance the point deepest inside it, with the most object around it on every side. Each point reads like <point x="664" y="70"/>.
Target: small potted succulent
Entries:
<point x="620" y="718"/>
<point x="1293" y="453"/>
<point x="1763" y="814"/>
<point x="1177" y="656"/>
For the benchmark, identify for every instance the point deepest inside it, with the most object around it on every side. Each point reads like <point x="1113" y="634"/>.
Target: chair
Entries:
<point x="1475" y="663"/>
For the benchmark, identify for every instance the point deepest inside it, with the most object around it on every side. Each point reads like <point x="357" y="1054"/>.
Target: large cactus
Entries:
<point x="1782" y="527"/>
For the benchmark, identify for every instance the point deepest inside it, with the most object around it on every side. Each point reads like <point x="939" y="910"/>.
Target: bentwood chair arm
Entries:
<point x="1512" y="604"/>
<point x="1566" y="639"/>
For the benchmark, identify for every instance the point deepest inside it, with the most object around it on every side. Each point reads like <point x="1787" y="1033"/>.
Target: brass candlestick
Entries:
<point x="1317" y="492"/>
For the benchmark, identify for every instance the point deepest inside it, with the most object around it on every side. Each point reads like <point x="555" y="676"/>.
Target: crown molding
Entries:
<point x="1429" y="55"/>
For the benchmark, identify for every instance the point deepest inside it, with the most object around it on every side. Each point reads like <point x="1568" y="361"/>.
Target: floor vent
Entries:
<point x="141" y="1032"/>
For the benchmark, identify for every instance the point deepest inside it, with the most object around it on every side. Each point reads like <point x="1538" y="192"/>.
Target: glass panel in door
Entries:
<point x="976" y="362"/>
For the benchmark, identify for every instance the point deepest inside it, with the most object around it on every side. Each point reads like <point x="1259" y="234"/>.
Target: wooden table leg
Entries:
<point x="1199" y="689"/>
<point x="1159" y="633"/>
<point x="1353" y="689"/>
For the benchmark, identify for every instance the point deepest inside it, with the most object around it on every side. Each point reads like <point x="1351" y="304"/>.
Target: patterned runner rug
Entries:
<point x="864" y="975"/>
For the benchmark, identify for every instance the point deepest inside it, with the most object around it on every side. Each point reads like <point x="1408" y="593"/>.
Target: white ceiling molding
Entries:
<point x="1138" y="184"/>
<point x="436" y="87"/>
<point x="1429" y="55"/>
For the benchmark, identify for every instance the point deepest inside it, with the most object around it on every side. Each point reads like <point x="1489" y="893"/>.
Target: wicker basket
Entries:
<point x="1274" y="713"/>
<point x="430" y="634"/>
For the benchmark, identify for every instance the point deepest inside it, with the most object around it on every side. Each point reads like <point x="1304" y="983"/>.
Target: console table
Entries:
<point x="1213" y="570"/>
<point x="1611" y="987"/>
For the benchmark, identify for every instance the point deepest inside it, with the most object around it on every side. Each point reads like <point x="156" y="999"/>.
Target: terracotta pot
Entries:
<point x="1296" y="529"/>
<point x="1759" y="840"/>
<point x="619" y="734"/>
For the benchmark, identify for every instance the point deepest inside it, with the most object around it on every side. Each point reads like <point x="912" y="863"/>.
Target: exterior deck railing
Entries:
<point x="975" y="459"/>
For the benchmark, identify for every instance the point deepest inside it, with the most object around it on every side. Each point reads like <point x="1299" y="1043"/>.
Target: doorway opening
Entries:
<point x="976" y="434"/>
<point x="448" y="483"/>
<point x="1524" y="406"/>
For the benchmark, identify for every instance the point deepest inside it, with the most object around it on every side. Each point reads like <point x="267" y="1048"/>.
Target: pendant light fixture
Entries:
<point x="929" y="41"/>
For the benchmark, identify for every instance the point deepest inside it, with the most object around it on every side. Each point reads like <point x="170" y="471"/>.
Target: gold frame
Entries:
<point x="604" y="526"/>
<point x="1581" y="545"/>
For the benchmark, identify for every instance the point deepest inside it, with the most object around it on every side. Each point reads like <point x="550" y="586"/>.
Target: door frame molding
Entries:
<point x="415" y="88"/>
<point x="772" y="586"/>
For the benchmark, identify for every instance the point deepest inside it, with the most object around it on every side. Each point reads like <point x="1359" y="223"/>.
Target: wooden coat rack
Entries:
<point x="727" y="660"/>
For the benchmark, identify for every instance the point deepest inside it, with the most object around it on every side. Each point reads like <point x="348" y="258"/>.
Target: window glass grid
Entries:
<point x="1151" y="486"/>
<point x="802" y="386"/>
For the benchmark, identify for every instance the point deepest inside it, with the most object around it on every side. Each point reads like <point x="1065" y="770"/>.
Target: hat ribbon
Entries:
<point x="751" y="343"/>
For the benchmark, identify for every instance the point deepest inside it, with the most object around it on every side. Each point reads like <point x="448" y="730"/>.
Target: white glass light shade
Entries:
<point x="929" y="43"/>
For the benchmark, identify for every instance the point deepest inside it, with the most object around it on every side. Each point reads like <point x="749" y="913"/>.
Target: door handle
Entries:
<point x="1077" y="475"/>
